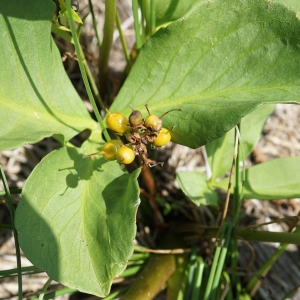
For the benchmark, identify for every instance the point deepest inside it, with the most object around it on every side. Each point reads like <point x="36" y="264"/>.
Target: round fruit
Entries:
<point x="163" y="138"/>
<point x="125" y="155"/>
<point x="153" y="123"/>
<point x="109" y="149"/>
<point x="117" y="122"/>
<point x="136" y="118"/>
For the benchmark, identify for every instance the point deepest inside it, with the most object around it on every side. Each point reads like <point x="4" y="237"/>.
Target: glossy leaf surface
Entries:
<point x="218" y="64"/>
<point x="37" y="98"/>
<point x="76" y="218"/>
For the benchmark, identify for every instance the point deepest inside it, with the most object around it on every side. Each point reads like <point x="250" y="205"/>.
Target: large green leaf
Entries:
<point x="169" y="10"/>
<point x="275" y="179"/>
<point x="220" y="151"/>
<point x="218" y="64"/>
<point x="76" y="219"/>
<point x="37" y="98"/>
<point x="195" y="187"/>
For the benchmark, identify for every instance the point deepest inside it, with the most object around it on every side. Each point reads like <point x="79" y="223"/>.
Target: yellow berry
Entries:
<point x="109" y="149"/>
<point x="125" y="155"/>
<point x="163" y="138"/>
<point x="117" y="122"/>
<point x="153" y="123"/>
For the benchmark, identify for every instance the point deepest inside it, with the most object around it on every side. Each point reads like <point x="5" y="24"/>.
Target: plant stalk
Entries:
<point x="122" y="39"/>
<point x="108" y="32"/>
<point x="229" y="185"/>
<point x="83" y="72"/>
<point x="12" y="216"/>
<point x="137" y="29"/>
<point x="153" y="278"/>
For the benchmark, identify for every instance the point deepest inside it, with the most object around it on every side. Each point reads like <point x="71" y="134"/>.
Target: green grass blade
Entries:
<point x="116" y="294"/>
<point x="6" y="226"/>
<point x="12" y="192"/>
<point x="238" y="194"/>
<point x="192" y="266"/>
<point x="198" y="278"/>
<point x="213" y="269"/>
<point x="94" y="23"/>
<point x="144" y="20"/>
<point x="57" y="293"/>
<point x="24" y="270"/>
<point x="138" y="256"/>
<point x="228" y="295"/>
<point x="221" y="261"/>
<point x="184" y="283"/>
<point x="234" y="264"/>
<point x="254" y="283"/>
<point x="93" y="84"/>
<point x="12" y="216"/>
<point x="291" y="292"/>
<point x="83" y="73"/>
<point x="44" y="289"/>
<point x="80" y="25"/>
<point x="131" y="271"/>
<point x="122" y="39"/>
<point x="137" y="28"/>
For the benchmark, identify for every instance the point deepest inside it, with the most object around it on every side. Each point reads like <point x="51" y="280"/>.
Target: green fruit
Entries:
<point x="109" y="149"/>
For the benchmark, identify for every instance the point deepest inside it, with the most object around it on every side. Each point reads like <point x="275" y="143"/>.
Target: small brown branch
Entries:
<point x="294" y="218"/>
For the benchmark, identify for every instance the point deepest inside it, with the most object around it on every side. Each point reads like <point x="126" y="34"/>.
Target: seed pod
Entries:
<point x="163" y="138"/>
<point x="135" y="118"/>
<point x="117" y="122"/>
<point x="125" y="155"/>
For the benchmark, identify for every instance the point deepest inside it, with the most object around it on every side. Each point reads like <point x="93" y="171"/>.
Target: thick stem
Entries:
<point x="137" y="25"/>
<point x="109" y="24"/>
<point x="152" y="17"/>
<point x="153" y="278"/>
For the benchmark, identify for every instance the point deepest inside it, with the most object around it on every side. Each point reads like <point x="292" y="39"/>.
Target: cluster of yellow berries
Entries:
<point x="138" y="132"/>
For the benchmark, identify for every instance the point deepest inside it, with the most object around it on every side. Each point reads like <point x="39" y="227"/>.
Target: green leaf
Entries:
<point x="76" y="218"/>
<point x="195" y="187"/>
<point x="60" y="31"/>
<point x="219" y="63"/>
<point x="170" y="10"/>
<point x="37" y="98"/>
<point x="220" y="151"/>
<point x="275" y="179"/>
<point x="293" y="4"/>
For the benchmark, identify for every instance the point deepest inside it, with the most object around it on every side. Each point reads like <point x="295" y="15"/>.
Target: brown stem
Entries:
<point x="153" y="278"/>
